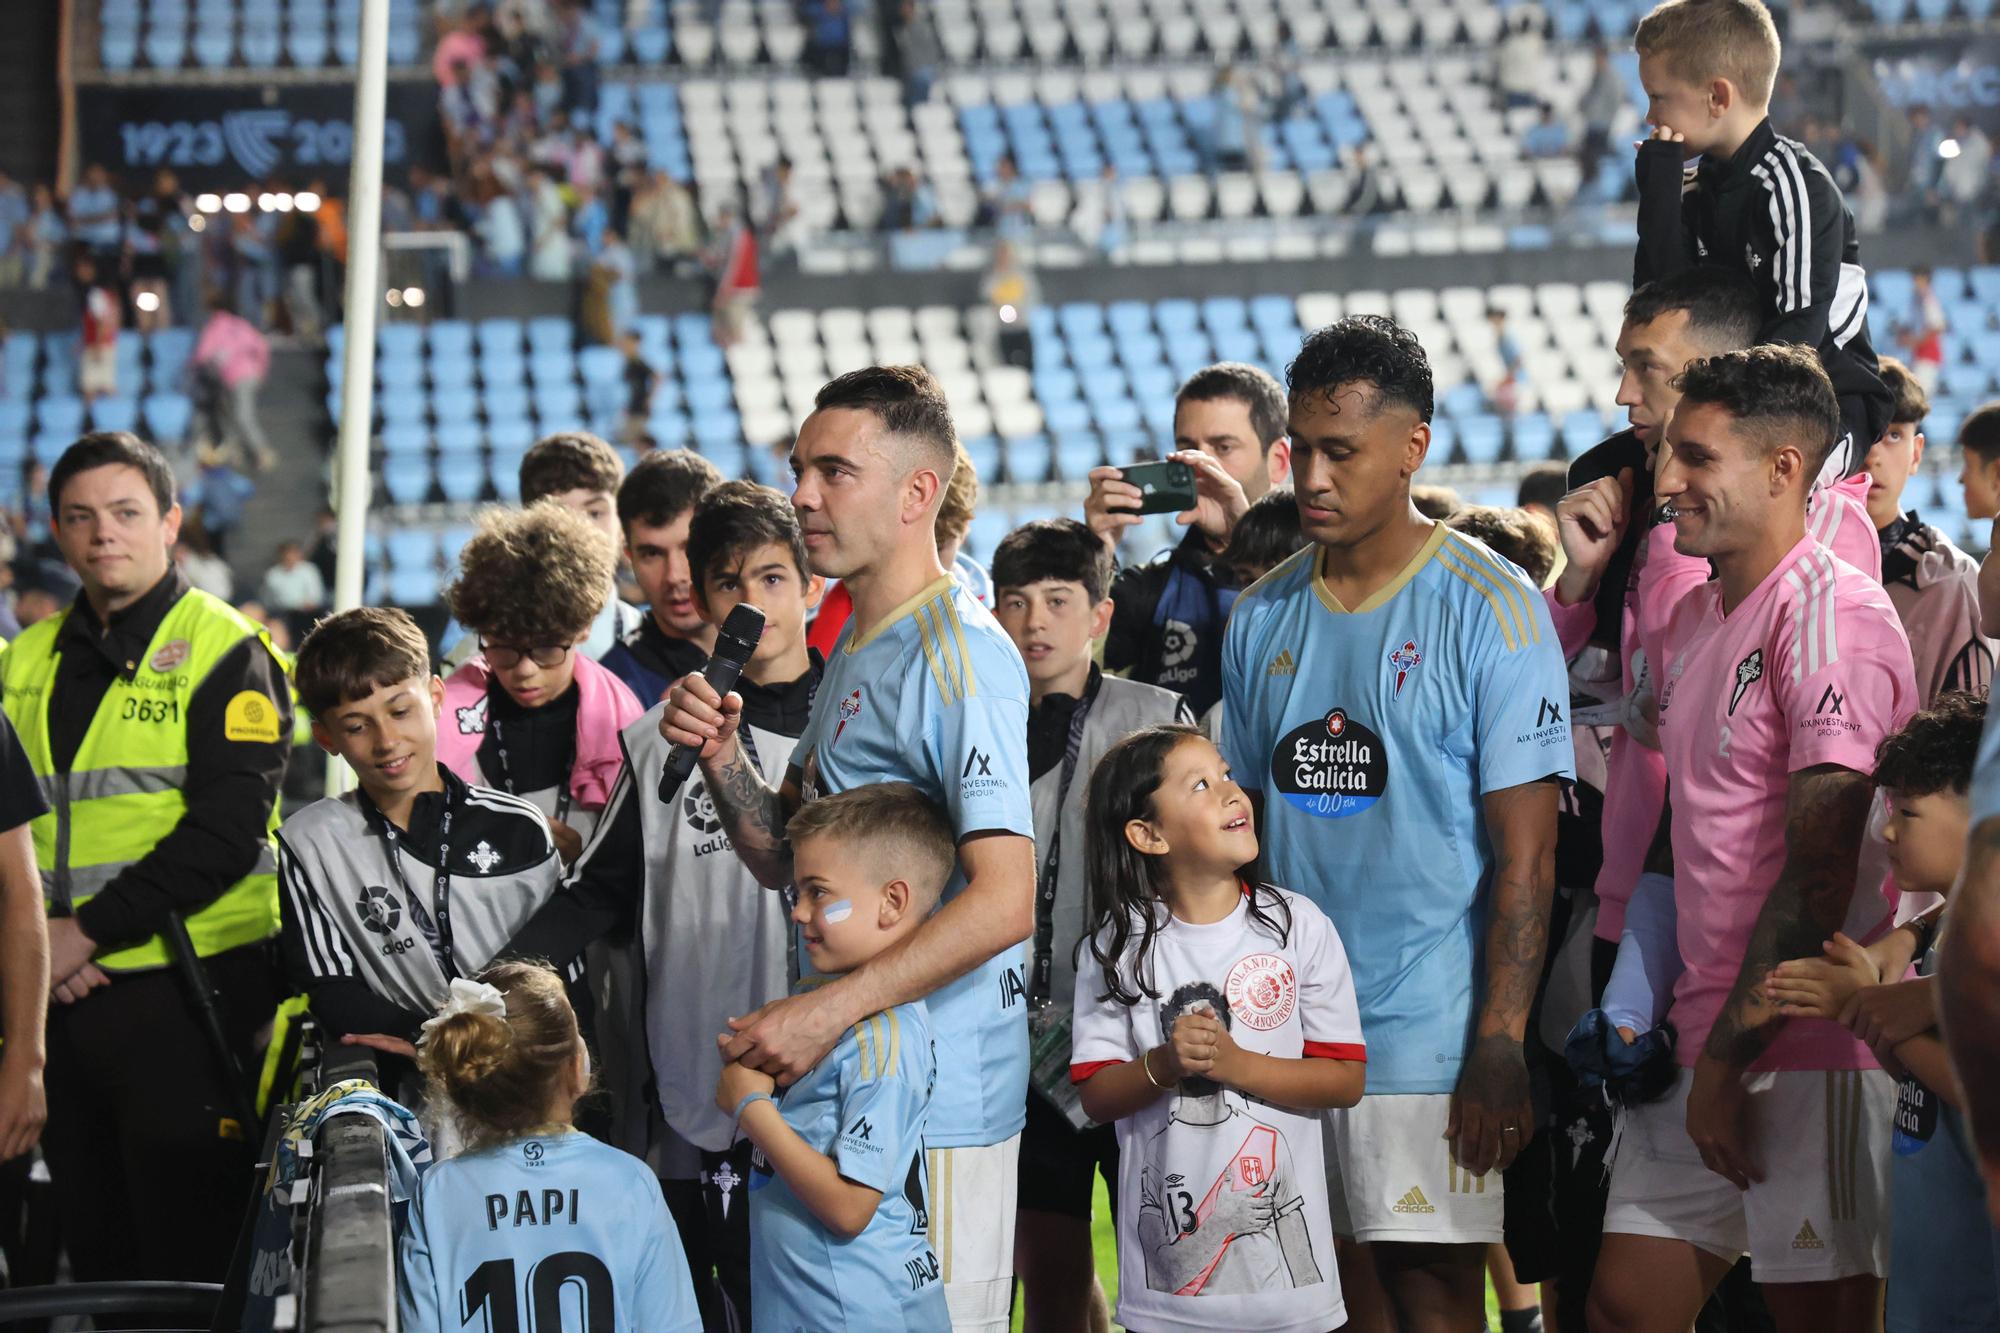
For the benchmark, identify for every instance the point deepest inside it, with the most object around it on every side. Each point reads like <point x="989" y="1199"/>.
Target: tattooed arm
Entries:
<point x="753" y="814"/>
<point x="1491" y="1115"/>
<point x="1826" y="811"/>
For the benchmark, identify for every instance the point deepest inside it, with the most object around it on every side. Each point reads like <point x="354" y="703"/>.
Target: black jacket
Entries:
<point x="1772" y="211"/>
<point x="1167" y="627"/>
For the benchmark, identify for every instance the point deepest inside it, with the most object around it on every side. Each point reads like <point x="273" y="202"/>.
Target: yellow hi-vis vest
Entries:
<point x="122" y="793"/>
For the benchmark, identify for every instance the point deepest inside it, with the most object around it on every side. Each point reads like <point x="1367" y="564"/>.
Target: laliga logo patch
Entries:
<point x="171" y="655"/>
<point x="1262" y="991"/>
<point x="1331" y="767"/>
<point x="1405" y="661"/>
<point x="380" y="912"/>
<point x="472" y="720"/>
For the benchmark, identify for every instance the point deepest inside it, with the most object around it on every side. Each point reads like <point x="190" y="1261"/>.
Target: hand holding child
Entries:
<point x="739" y="1081"/>
<point x="1821" y="987"/>
<point x="1886" y="1016"/>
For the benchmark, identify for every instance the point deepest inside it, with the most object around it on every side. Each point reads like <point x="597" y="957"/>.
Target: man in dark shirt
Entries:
<point x="656" y="503"/>
<point x="1229" y="424"/>
<point x="160" y="721"/>
<point x="24" y="953"/>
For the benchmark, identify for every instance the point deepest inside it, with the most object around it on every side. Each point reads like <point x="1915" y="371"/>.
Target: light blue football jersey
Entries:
<point x="864" y="1106"/>
<point x="558" y="1234"/>
<point x="1372" y="735"/>
<point x="936" y="696"/>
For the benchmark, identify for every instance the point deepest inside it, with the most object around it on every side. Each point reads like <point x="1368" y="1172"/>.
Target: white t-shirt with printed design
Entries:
<point x="1222" y="1217"/>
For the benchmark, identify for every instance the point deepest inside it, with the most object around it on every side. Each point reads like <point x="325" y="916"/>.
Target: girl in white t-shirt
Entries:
<point x="1219" y="1022"/>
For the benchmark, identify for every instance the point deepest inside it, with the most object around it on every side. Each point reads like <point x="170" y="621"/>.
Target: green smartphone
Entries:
<point x="1164" y="488"/>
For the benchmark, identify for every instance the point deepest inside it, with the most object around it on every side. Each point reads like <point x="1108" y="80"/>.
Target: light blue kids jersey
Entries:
<point x="863" y="1106"/>
<point x="561" y="1234"/>
<point x="1372" y="735"/>
<point x="936" y="696"/>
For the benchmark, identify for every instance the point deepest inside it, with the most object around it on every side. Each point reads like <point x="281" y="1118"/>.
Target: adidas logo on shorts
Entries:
<point x="1284" y="664"/>
<point x="1807" y="1239"/>
<point x="1413" y="1202"/>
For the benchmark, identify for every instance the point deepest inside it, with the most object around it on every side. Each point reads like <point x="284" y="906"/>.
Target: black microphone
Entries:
<point x="734" y="643"/>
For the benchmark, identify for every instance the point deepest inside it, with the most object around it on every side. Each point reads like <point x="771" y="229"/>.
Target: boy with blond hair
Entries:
<point x="838" y="1203"/>
<point x="1718" y="185"/>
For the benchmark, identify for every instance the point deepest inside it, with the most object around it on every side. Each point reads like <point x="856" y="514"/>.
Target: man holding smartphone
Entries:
<point x="1229" y="428"/>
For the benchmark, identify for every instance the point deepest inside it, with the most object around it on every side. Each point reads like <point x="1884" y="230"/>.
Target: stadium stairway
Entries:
<point x="287" y="501"/>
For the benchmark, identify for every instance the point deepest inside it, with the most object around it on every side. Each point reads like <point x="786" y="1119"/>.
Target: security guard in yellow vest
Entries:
<point x="158" y="721"/>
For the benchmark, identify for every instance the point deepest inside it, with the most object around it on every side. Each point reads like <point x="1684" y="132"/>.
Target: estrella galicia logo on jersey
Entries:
<point x="1748" y="672"/>
<point x="850" y="708"/>
<point x="472" y="719"/>
<point x="1405" y="660"/>
<point x="1331" y="767"/>
<point x="1262" y="991"/>
<point x="380" y="912"/>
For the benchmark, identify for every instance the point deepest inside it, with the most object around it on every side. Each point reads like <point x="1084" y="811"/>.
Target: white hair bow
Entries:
<point x="470" y="997"/>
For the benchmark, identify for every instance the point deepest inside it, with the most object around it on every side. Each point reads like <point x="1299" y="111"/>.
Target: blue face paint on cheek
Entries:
<point x="837" y="912"/>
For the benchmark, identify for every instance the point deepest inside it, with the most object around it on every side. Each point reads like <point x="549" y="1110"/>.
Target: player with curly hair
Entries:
<point x="530" y="714"/>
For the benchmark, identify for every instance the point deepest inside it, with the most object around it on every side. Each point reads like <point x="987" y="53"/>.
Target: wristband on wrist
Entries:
<point x="744" y="1105"/>
<point x="1146" y="1063"/>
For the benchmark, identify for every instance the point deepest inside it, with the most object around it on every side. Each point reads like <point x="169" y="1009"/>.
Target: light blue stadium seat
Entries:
<point x="451" y="337"/>
<point x="410" y="548"/>
<point x="1463" y="399"/>
<point x="505" y="402"/>
<point x="501" y="334"/>
<point x="550" y="333"/>
<point x="261" y="46"/>
<point x="502" y="367"/>
<point x="402" y="404"/>
<point x="453" y="370"/>
<point x="400" y="342"/>
<point x="406" y="438"/>
<point x="716" y="431"/>
<point x="1067" y="418"/>
<point x="1151" y="383"/>
<point x="1028" y="459"/>
<point x="984" y="451"/>
<point x="1118" y="416"/>
<point x="166" y="48"/>
<point x="1076" y="455"/>
<point x="1140" y="350"/>
<point x="503" y="471"/>
<point x="413" y="587"/>
<point x="709" y="395"/>
<point x="669" y="425"/>
<point x="407" y="478"/>
<point x="700" y="361"/>
<point x="1480" y="437"/>
<point x="48" y="447"/>
<point x="1581" y="429"/>
<point x="461" y="476"/>
<point x="1177" y="316"/>
<point x="454" y="405"/>
<point x="169" y="350"/>
<point x="306" y="47"/>
<point x="1055" y="384"/>
<point x="394" y="370"/>
<point x="213" y="47"/>
<point x="1091" y="353"/>
<point x="1223" y="313"/>
<point x="459" y="437"/>
<point x="1129" y="317"/>
<point x="600" y="365"/>
<point x="1534" y="437"/>
<point x="60" y="415"/>
<point x="605" y="399"/>
<point x="561" y="402"/>
<point x="13" y="417"/>
<point x="548" y="365"/>
<point x="117" y="413"/>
